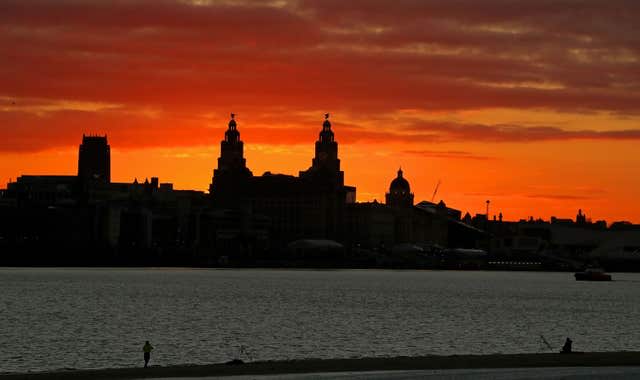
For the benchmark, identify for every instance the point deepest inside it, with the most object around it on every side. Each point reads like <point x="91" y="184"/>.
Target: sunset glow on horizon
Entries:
<point x="535" y="107"/>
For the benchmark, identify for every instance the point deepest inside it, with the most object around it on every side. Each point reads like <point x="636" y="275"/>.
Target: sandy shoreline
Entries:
<point x="595" y="359"/>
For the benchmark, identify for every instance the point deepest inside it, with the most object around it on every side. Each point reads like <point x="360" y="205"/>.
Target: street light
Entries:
<point x="487" y="228"/>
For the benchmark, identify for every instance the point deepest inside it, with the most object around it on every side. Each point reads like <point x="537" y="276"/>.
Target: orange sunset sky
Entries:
<point x="534" y="105"/>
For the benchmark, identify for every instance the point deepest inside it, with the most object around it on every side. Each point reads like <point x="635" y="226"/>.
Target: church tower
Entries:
<point x="326" y="164"/>
<point x="94" y="159"/>
<point x="232" y="165"/>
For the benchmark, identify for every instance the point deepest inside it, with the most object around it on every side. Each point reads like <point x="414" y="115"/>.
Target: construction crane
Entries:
<point x="435" y="191"/>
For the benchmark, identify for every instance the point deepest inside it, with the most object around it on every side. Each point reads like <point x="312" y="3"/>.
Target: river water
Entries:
<point x="100" y="318"/>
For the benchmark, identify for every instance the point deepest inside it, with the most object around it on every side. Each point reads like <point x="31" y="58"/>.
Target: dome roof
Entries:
<point x="399" y="184"/>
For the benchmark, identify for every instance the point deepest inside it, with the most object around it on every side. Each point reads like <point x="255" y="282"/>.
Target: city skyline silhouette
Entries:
<point x="98" y="138"/>
<point x="309" y="219"/>
<point x="537" y="113"/>
<point x="319" y="189"/>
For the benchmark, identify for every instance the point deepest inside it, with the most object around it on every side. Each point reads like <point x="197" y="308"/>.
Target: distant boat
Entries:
<point x="592" y="274"/>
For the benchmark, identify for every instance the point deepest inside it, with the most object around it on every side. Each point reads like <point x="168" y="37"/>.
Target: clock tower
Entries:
<point x="232" y="166"/>
<point x="326" y="163"/>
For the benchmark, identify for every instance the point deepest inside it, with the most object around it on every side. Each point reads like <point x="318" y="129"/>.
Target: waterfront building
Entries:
<point x="308" y="206"/>
<point x="398" y="222"/>
<point x="567" y="242"/>
<point x="399" y="195"/>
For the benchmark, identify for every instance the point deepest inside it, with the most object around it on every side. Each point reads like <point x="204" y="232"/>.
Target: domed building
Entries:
<point x="399" y="194"/>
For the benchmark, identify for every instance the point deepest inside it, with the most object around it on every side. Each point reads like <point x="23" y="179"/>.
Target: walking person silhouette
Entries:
<point x="566" y="349"/>
<point x="147" y="348"/>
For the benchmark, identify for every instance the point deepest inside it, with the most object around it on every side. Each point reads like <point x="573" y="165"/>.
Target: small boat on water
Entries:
<point x="592" y="274"/>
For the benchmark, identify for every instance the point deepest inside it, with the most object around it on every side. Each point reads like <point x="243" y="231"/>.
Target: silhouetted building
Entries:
<point x="325" y="166"/>
<point x="44" y="190"/>
<point x="85" y="218"/>
<point x="399" y="194"/>
<point x="442" y="209"/>
<point x="371" y="225"/>
<point x="230" y="177"/>
<point x="398" y="225"/>
<point x="245" y="219"/>
<point x="94" y="159"/>
<point x="310" y="206"/>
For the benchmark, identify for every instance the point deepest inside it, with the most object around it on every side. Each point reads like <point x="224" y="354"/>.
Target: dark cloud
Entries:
<point x="514" y="133"/>
<point x="455" y="154"/>
<point x="562" y="197"/>
<point x="35" y="130"/>
<point x="370" y="58"/>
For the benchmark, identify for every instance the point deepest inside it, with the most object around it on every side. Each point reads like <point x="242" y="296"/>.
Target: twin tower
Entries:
<point x="232" y="179"/>
<point x="232" y="166"/>
<point x="312" y="204"/>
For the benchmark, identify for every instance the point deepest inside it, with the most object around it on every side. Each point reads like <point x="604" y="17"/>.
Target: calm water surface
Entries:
<point x="96" y="318"/>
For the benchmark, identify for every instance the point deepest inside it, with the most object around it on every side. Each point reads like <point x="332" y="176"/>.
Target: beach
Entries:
<point x="591" y="359"/>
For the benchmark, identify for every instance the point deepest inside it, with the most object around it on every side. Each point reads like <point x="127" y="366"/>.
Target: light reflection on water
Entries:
<point x="97" y="318"/>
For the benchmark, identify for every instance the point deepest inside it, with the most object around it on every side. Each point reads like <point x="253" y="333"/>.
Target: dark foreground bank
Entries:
<point x="592" y="359"/>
